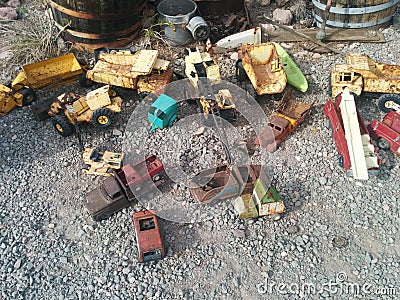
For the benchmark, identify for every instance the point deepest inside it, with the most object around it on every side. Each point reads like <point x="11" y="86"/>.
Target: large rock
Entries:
<point x="282" y="16"/>
<point x="8" y="14"/>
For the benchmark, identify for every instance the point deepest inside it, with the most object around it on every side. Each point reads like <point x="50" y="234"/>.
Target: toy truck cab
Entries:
<point x="387" y="132"/>
<point x="289" y="114"/>
<point x="110" y="197"/>
<point x="199" y="64"/>
<point x="162" y="112"/>
<point x="100" y="162"/>
<point x="148" y="236"/>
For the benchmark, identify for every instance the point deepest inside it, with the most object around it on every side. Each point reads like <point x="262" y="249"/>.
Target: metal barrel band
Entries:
<point x="94" y="16"/>
<point x="356" y="10"/>
<point x="353" y="25"/>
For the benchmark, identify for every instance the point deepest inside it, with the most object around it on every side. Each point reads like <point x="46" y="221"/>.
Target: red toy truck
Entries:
<point x="333" y="112"/>
<point x="115" y="192"/>
<point x="387" y="132"/>
<point x="148" y="236"/>
<point x="139" y="174"/>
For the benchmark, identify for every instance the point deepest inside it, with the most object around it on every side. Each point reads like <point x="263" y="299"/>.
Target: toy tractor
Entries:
<point x="97" y="107"/>
<point x="222" y="106"/>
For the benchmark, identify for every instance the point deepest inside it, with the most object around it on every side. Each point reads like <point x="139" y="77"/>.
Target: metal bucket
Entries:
<point x="356" y="13"/>
<point x="92" y="24"/>
<point x="178" y="14"/>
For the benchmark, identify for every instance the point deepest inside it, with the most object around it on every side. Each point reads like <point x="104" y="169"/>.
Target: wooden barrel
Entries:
<point x="91" y="24"/>
<point x="356" y="13"/>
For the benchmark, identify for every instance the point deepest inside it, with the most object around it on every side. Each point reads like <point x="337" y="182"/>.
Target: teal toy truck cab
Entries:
<point x="162" y="112"/>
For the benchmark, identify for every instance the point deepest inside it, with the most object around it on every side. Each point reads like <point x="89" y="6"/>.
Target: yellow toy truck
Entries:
<point x="361" y="74"/>
<point x="44" y="75"/>
<point x="97" y="107"/>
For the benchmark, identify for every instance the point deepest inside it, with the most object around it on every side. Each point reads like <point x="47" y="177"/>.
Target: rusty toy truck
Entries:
<point x="387" y="132"/>
<point x="361" y="74"/>
<point x="122" y="188"/>
<point x="142" y="71"/>
<point x="260" y="63"/>
<point x="289" y="114"/>
<point x="148" y="236"/>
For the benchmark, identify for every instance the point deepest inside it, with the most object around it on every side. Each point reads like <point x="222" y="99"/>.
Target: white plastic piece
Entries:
<point x="251" y="36"/>
<point x="353" y="136"/>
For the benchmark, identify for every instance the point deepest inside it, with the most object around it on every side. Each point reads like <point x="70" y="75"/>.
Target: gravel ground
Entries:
<point x="51" y="249"/>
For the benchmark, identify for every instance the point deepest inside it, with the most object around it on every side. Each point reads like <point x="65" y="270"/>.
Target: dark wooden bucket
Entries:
<point x="91" y="24"/>
<point x="356" y="13"/>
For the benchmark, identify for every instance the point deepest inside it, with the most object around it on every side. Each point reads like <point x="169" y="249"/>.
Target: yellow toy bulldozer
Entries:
<point x="97" y="107"/>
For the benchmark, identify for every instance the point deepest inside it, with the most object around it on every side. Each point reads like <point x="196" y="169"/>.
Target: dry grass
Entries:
<point x="31" y="39"/>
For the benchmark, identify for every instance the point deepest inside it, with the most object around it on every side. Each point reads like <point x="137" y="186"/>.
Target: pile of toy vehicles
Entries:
<point x="44" y="75"/>
<point x="116" y="191"/>
<point x="249" y="185"/>
<point x="142" y="70"/>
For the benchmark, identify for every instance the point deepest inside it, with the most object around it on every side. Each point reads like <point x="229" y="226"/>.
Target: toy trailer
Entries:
<point x="148" y="236"/>
<point x="142" y="174"/>
<point x="387" y="132"/>
<point x="111" y="196"/>
<point x="261" y="64"/>
<point x="214" y="184"/>
<point x="289" y="114"/>
<point x="162" y="112"/>
<point x="360" y="141"/>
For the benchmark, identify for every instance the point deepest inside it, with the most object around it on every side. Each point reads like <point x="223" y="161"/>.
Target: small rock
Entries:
<point x="292" y="229"/>
<point x="281" y="3"/>
<point x="234" y="56"/>
<point x="117" y="132"/>
<point x="282" y="16"/>
<point x="265" y="2"/>
<point x="8" y="14"/>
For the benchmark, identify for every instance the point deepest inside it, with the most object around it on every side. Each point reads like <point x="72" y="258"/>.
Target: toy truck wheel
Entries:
<point x="62" y="126"/>
<point x="156" y="177"/>
<point x="28" y="96"/>
<point x="143" y="95"/>
<point x="102" y="117"/>
<point x="240" y="72"/>
<point x="387" y="102"/>
<point x="383" y="144"/>
<point x="251" y="91"/>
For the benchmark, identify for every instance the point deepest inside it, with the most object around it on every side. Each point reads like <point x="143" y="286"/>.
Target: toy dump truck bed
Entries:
<point x="263" y="67"/>
<point x="52" y="72"/>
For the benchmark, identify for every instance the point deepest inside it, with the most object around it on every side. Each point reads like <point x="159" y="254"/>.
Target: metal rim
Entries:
<point x="102" y="120"/>
<point x="59" y="127"/>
